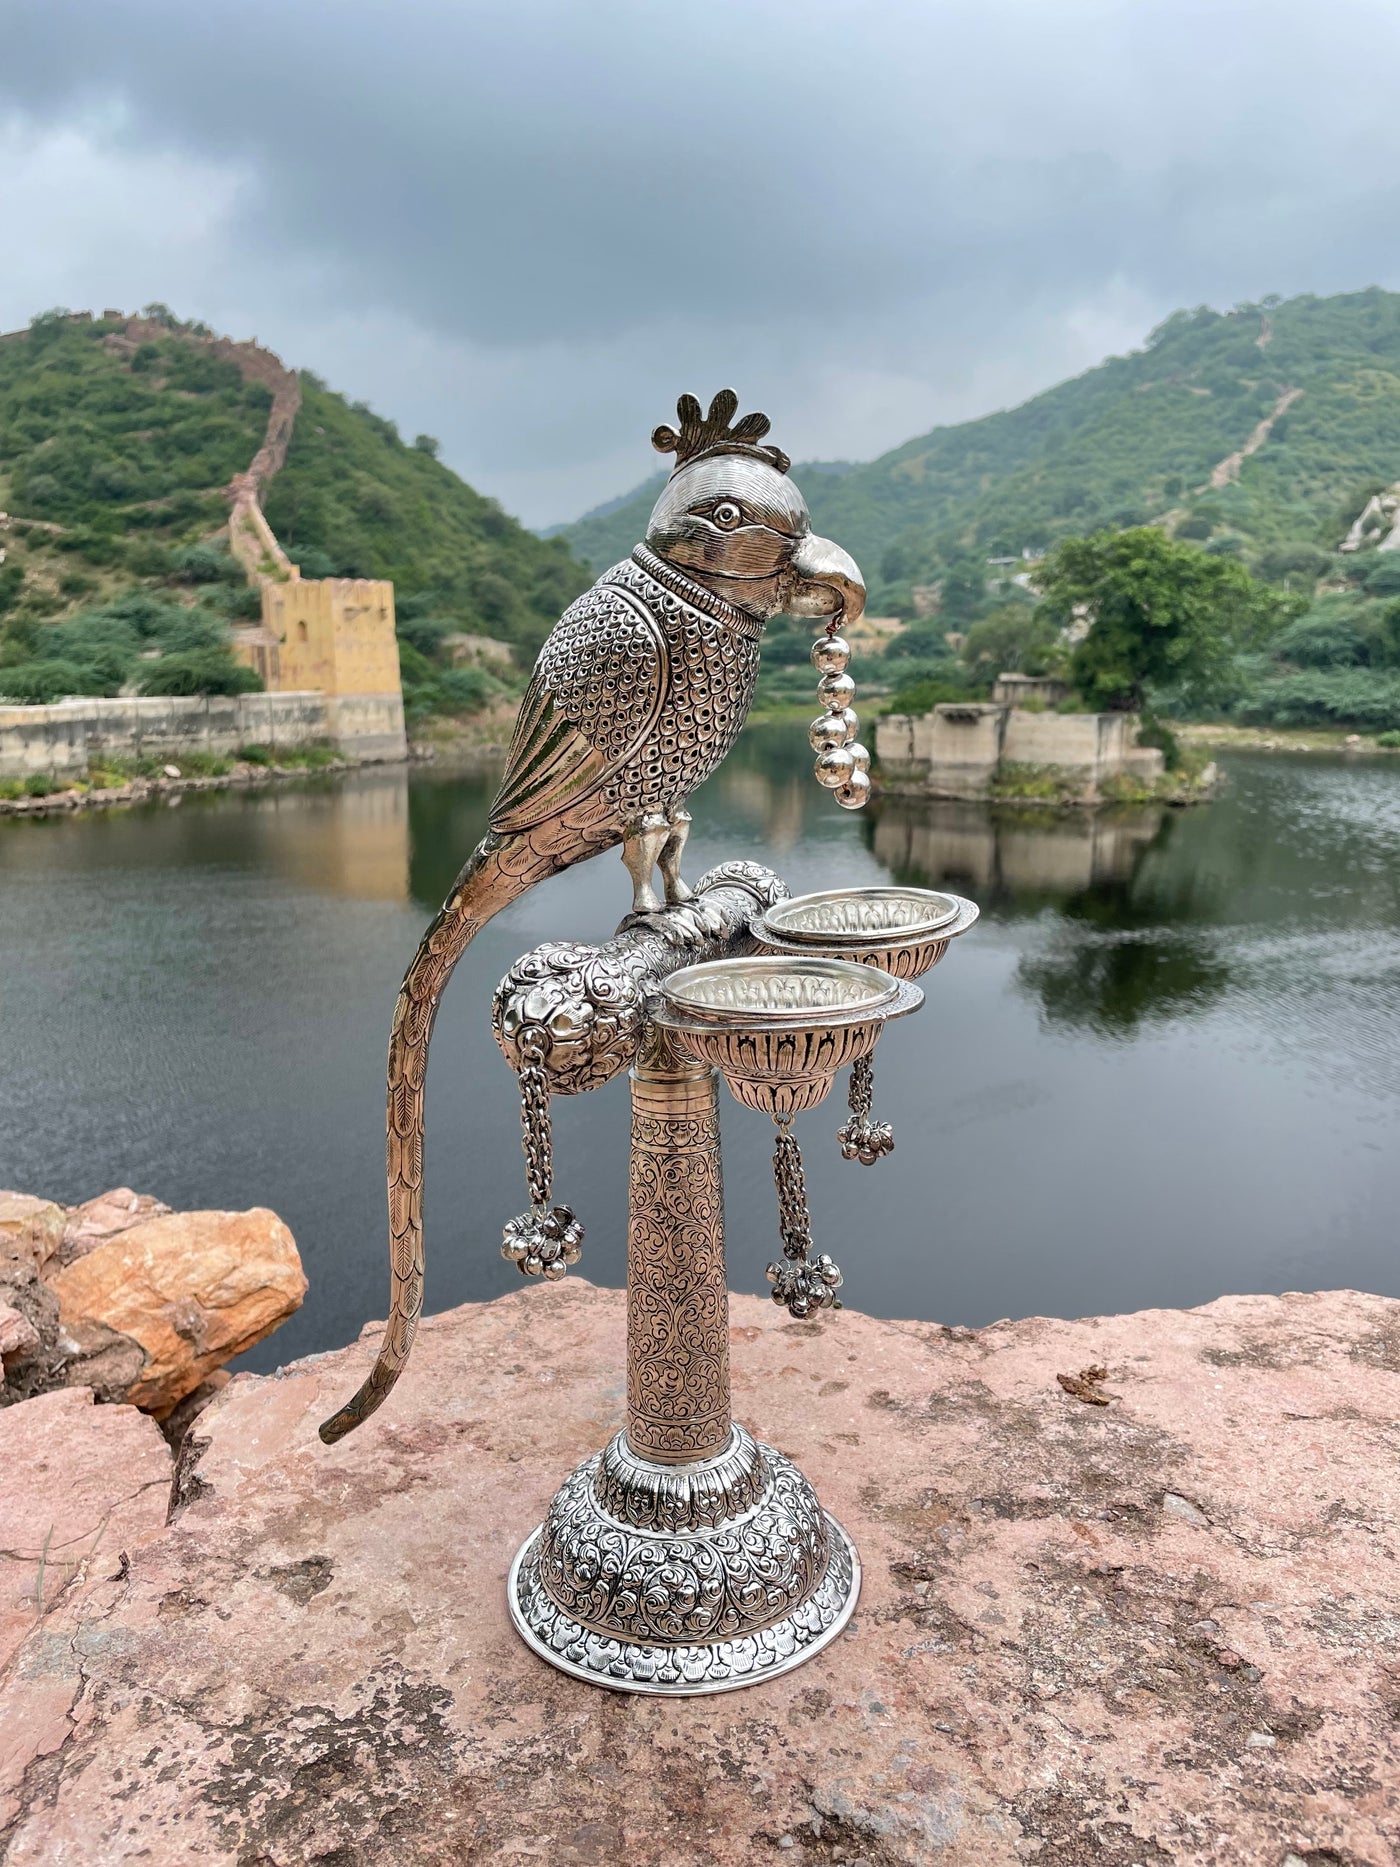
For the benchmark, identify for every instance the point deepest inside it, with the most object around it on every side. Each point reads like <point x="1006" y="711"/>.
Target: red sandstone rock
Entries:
<point x="79" y="1485"/>
<point x="1164" y="1631"/>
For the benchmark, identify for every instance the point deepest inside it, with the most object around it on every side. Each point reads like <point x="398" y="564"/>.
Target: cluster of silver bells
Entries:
<point x="543" y="1244"/>
<point x="843" y="764"/>
<point x="804" y="1285"/>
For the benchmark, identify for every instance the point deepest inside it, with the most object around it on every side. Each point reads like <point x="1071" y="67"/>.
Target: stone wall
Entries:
<point x="958" y="749"/>
<point x="63" y="737"/>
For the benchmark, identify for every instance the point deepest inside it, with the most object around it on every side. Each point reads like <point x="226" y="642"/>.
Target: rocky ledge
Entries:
<point x="1131" y="1596"/>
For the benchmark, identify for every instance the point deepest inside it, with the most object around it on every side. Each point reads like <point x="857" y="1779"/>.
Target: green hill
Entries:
<point x="1134" y="441"/>
<point x="117" y="438"/>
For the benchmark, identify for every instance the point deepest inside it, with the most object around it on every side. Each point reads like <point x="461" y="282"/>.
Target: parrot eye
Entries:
<point x="726" y="515"/>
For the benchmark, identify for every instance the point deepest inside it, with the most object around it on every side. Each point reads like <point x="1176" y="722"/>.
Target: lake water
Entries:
<point x="1165" y="1065"/>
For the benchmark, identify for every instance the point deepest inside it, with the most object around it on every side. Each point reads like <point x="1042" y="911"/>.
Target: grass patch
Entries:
<point x="308" y="758"/>
<point x="1036" y="784"/>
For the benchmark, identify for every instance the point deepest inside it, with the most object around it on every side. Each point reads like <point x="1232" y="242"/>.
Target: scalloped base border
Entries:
<point x="684" y="1671"/>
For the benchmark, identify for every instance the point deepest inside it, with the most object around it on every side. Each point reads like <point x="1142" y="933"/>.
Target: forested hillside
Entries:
<point x="1138" y="440"/>
<point x="116" y="442"/>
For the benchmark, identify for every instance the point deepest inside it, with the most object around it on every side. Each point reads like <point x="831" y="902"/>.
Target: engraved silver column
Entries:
<point x="677" y="1299"/>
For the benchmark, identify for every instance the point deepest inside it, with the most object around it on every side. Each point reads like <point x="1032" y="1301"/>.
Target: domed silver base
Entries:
<point x="684" y="1579"/>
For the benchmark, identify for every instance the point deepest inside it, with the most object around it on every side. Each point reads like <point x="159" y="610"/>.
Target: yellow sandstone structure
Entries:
<point x="333" y="636"/>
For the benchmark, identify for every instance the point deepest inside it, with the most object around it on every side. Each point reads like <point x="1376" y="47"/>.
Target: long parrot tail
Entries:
<point x="497" y="871"/>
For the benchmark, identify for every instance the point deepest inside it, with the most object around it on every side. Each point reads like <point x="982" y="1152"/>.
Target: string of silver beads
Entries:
<point x="843" y="764"/>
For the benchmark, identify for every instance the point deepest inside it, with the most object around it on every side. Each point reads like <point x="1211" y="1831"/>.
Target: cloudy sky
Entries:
<point x="524" y="225"/>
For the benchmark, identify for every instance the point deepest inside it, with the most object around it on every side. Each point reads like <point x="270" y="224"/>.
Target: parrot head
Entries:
<point x="730" y="517"/>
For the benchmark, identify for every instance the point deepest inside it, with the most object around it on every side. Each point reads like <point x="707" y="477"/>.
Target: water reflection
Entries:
<point x="1001" y="856"/>
<point x="1114" y="957"/>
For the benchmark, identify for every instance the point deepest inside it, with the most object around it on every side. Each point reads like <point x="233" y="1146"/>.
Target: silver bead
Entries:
<point x="855" y="791"/>
<point x="826" y="732"/>
<point x="830" y="654"/>
<point x="834" y="768"/>
<point x="555" y="1269"/>
<point x="860" y="754"/>
<point x="836" y="690"/>
<point x="850" y="723"/>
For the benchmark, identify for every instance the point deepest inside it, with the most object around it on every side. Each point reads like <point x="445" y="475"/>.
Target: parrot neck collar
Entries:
<point x="696" y="594"/>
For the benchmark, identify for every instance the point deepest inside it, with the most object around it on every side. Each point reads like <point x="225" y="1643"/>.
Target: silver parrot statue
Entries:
<point x="637" y="695"/>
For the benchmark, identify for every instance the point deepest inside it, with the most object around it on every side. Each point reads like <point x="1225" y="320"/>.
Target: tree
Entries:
<point x="427" y="444"/>
<point x="1160" y="613"/>
<point x="964" y="589"/>
<point x="1017" y="639"/>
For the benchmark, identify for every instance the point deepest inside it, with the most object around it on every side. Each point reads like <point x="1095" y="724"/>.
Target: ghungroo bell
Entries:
<point x="544" y="1241"/>
<point x="843" y="765"/>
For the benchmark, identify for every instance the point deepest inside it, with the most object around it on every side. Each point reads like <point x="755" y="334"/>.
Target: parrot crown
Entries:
<point x="700" y="435"/>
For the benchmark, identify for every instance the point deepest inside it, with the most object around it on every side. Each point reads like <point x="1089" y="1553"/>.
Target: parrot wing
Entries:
<point x="592" y="701"/>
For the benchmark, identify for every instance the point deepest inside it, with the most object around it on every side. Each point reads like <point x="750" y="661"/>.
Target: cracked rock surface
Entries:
<point x="1160" y="1630"/>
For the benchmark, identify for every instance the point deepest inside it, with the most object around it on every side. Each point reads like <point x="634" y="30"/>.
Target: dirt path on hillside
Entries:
<point x="1229" y="468"/>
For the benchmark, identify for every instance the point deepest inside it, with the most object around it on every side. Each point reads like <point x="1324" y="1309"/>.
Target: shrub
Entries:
<point x="1293" y="564"/>
<point x="1383" y="576"/>
<point x="39" y="784"/>
<point x="1319" y="640"/>
<point x="240" y="604"/>
<point x="1354" y="697"/>
<point x="255" y="755"/>
<point x="415" y="669"/>
<point x="190" y="630"/>
<point x="1014" y="640"/>
<point x="922" y="696"/>
<point x="464" y="690"/>
<point x="1195" y="525"/>
<point x="787" y="649"/>
<point x="40" y="683"/>
<point x="424" y="632"/>
<point x="1156" y="733"/>
<point x="315" y="564"/>
<point x="11" y="583"/>
<point x="921" y="642"/>
<point x="204" y="564"/>
<point x="1390" y="740"/>
<point x="201" y="671"/>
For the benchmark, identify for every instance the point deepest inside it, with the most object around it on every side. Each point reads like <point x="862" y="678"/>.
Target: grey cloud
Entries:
<point x="558" y="212"/>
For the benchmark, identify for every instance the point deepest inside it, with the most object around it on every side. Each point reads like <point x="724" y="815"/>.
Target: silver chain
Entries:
<point x="535" y="1134"/>
<point x="794" y="1218"/>
<point x="804" y="1283"/>
<point x="861" y="1138"/>
<point x="541" y="1242"/>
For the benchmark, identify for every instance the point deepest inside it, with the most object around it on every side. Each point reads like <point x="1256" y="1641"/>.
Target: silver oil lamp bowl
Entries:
<point x="902" y="931"/>
<point x="778" y="1028"/>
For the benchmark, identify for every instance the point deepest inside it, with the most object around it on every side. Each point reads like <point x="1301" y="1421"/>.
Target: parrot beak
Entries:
<point x="823" y="581"/>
